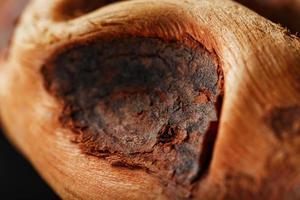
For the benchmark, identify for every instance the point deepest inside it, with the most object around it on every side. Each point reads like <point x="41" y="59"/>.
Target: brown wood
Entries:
<point x="255" y="154"/>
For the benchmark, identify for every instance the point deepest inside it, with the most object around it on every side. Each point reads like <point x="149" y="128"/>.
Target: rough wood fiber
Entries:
<point x="285" y="12"/>
<point x="255" y="156"/>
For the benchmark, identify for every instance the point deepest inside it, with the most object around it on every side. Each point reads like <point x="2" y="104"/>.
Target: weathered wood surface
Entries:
<point x="256" y="154"/>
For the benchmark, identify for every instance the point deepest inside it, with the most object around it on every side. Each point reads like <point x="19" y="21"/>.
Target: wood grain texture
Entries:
<point x="284" y="12"/>
<point x="261" y="64"/>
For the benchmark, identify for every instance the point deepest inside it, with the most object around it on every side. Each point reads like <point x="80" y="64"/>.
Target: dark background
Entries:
<point x="18" y="180"/>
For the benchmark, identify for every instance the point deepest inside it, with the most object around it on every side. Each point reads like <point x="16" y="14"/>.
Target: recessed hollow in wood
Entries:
<point x="141" y="103"/>
<point x="70" y="9"/>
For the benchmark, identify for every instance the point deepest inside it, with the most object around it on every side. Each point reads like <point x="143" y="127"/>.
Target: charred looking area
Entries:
<point x="140" y="102"/>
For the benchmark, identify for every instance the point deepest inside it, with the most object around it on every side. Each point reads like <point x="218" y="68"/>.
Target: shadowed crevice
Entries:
<point x="71" y="9"/>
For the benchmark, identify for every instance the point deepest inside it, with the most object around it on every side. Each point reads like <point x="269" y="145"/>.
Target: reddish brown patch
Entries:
<point x="285" y="121"/>
<point x="132" y="102"/>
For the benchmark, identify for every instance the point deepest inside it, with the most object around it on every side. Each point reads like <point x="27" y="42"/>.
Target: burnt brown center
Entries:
<point x="140" y="102"/>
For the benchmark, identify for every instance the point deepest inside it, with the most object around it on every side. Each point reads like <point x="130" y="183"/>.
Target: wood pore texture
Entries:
<point x="256" y="153"/>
